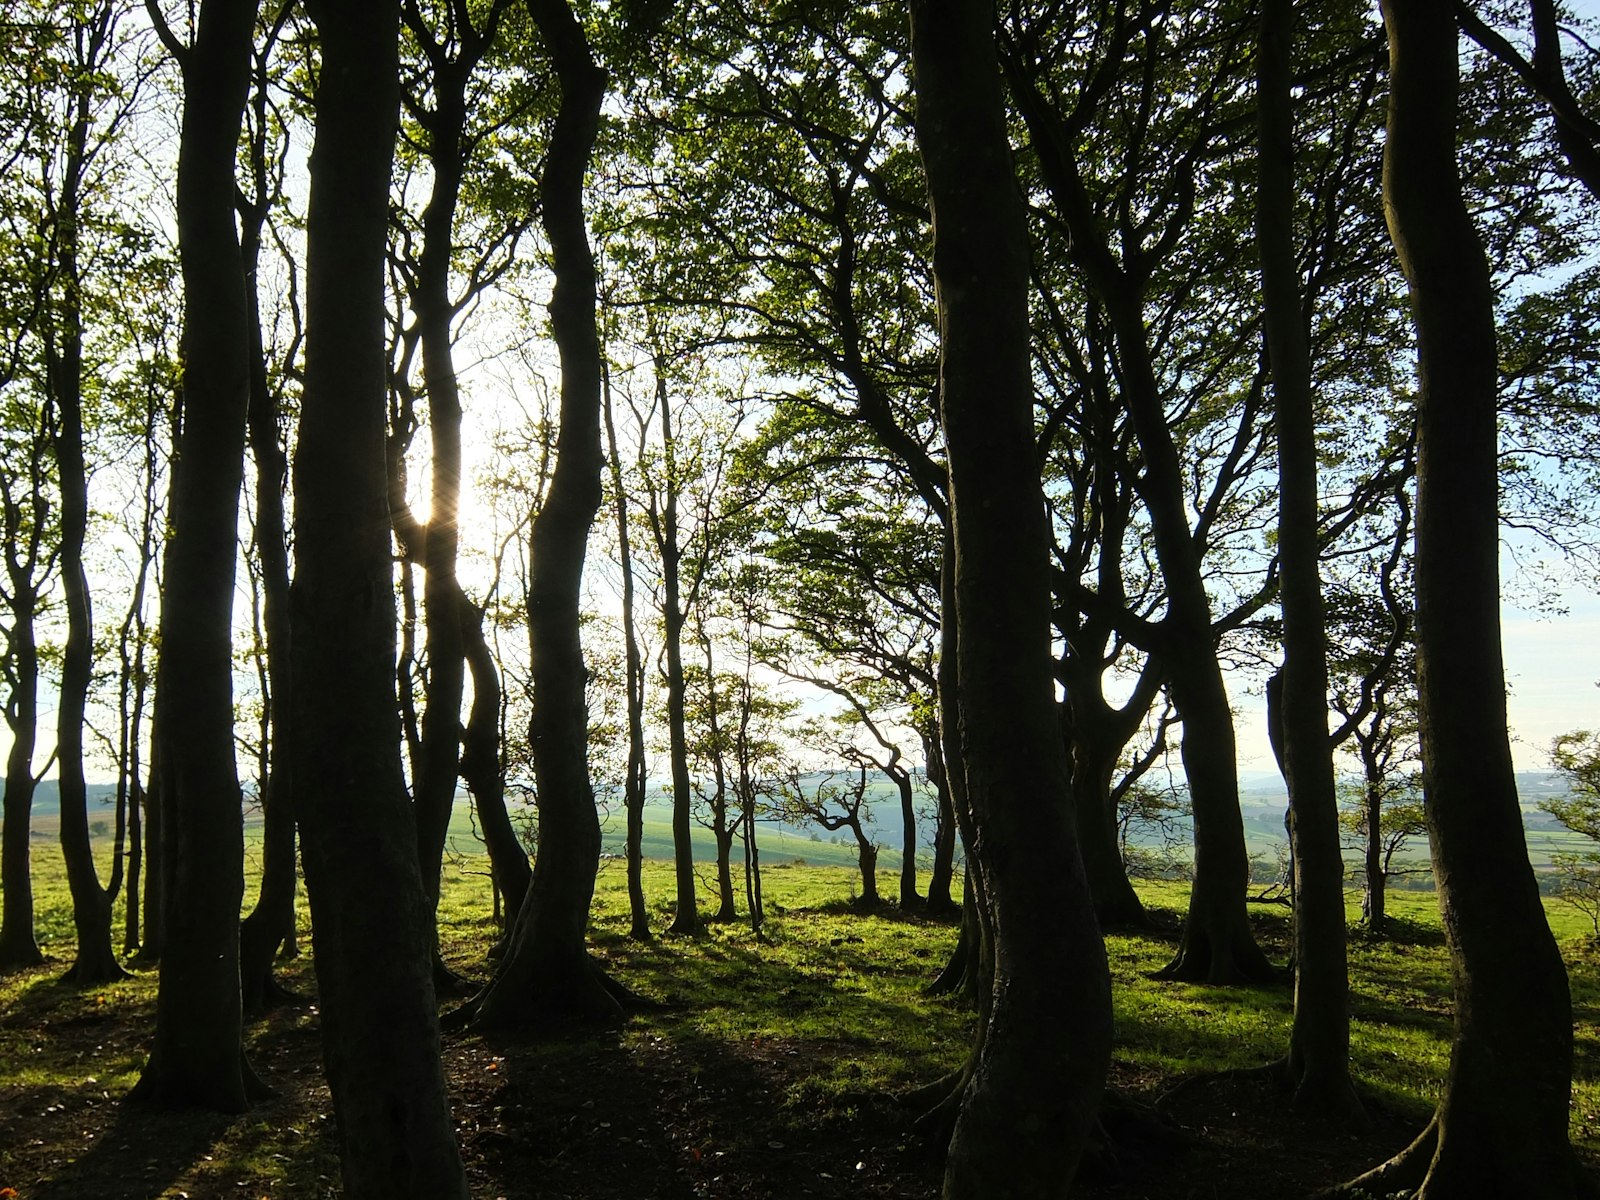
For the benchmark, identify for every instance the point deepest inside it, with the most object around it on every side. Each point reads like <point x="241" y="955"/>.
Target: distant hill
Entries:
<point x="1262" y="802"/>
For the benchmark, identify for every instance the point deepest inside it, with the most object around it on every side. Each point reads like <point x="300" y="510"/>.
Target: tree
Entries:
<point x="1502" y="1120"/>
<point x="197" y="1058"/>
<point x="271" y="922"/>
<point x="452" y="46"/>
<point x="379" y="1023"/>
<point x="547" y="972"/>
<point x="29" y="555"/>
<point x="84" y="46"/>
<point x="840" y="804"/>
<point x="1034" y="1081"/>
<point x="1576" y="755"/>
<point x="1318" y="1062"/>
<point x="634" y="778"/>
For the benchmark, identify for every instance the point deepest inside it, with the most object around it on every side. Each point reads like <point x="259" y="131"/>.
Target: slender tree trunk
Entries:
<point x="686" y="917"/>
<point x="752" y="871"/>
<point x="18" y="946"/>
<point x="1044" y="1046"/>
<point x="634" y="778"/>
<point x="135" y="691"/>
<point x="939" y="901"/>
<point x="1318" y="1064"/>
<point x="909" y="899"/>
<point x="480" y="768"/>
<point x="379" y="1022"/>
<point x="1501" y="1127"/>
<point x="867" y="862"/>
<point x="271" y="921"/>
<point x="1376" y="875"/>
<point x="548" y="973"/>
<point x="197" y="1058"/>
<point x="1218" y="943"/>
<point x="95" y="961"/>
<point x="434" y="787"/>
<point x="1094" y="750"/>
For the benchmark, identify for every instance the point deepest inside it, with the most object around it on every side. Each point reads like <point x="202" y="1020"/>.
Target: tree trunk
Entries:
<point x="95" y="961"/>
<point x="480" y="768"/>
<point x="1376" y="875"/>
<point x="867" y="861"/>
<point x="1318" y="1063"/>
<point x="1094" y="751"/>
<point x="548" y="973"/>
<point x="634" y="779"/>
<point x="271" y="921"/>
<point x="752" y="872"/>
<point x="939" y="901"/>
<point x="438" y="766"/>
<point x="197" y="1058"/>
<point x="1501" y="1128"/>
<point x="724" y="833"/>
<point x="686" y="917"/>
<point x="18" y="946"/>
<point x="909" y="899"/>
<point x="370" y="915"/>
<point x="1040" y="1062"/>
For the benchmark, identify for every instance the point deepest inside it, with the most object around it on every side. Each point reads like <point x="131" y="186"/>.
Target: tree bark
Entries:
<point x="548" y="973"/>
<point x="197" y="1058"/>
<point x="370" y="915"/>
<point x="1501" y="1128"/>
<point x="1044" y="1044"/>
<point x="1318" y="1064"/>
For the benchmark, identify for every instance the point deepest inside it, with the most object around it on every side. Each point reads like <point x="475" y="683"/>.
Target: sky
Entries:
<point x="1552" y="672"/>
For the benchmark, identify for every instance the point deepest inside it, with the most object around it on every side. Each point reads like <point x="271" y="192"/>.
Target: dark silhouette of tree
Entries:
<point x="1502" y="1121"/>
<point x="1033" y="1084"/>
<point x="92" y="40"/>
<point x="633" y="784"/>
<point x="1318" y="1063"/>
<point x="197" y="1058"/>
<point x="369" y="912"/>
<point x="547" y="971"/>
<point x="271" y="922"/>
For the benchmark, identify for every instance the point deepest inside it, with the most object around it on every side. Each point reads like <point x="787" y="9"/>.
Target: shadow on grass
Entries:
<point x="141" y="1153"/>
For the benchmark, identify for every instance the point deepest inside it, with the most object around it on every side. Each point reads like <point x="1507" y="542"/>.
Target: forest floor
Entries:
<point x="772" y="1070"/>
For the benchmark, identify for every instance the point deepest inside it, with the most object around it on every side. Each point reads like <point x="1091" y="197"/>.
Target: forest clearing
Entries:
<point x="772" y="1070"/>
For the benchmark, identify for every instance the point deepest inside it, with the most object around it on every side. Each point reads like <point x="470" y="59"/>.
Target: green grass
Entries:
<point x="838" y="988"/>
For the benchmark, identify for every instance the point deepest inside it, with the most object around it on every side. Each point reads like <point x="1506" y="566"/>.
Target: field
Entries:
<point x="770" y="1070"/>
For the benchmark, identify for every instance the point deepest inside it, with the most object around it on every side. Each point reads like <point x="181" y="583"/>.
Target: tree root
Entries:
<point x="1402" y="1173"/>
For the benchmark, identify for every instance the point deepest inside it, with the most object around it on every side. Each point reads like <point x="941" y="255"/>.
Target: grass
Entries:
<point x="795" y="1043"/>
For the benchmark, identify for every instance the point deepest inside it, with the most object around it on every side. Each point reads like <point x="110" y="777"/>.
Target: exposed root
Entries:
<point x="1402" y="1173"/>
